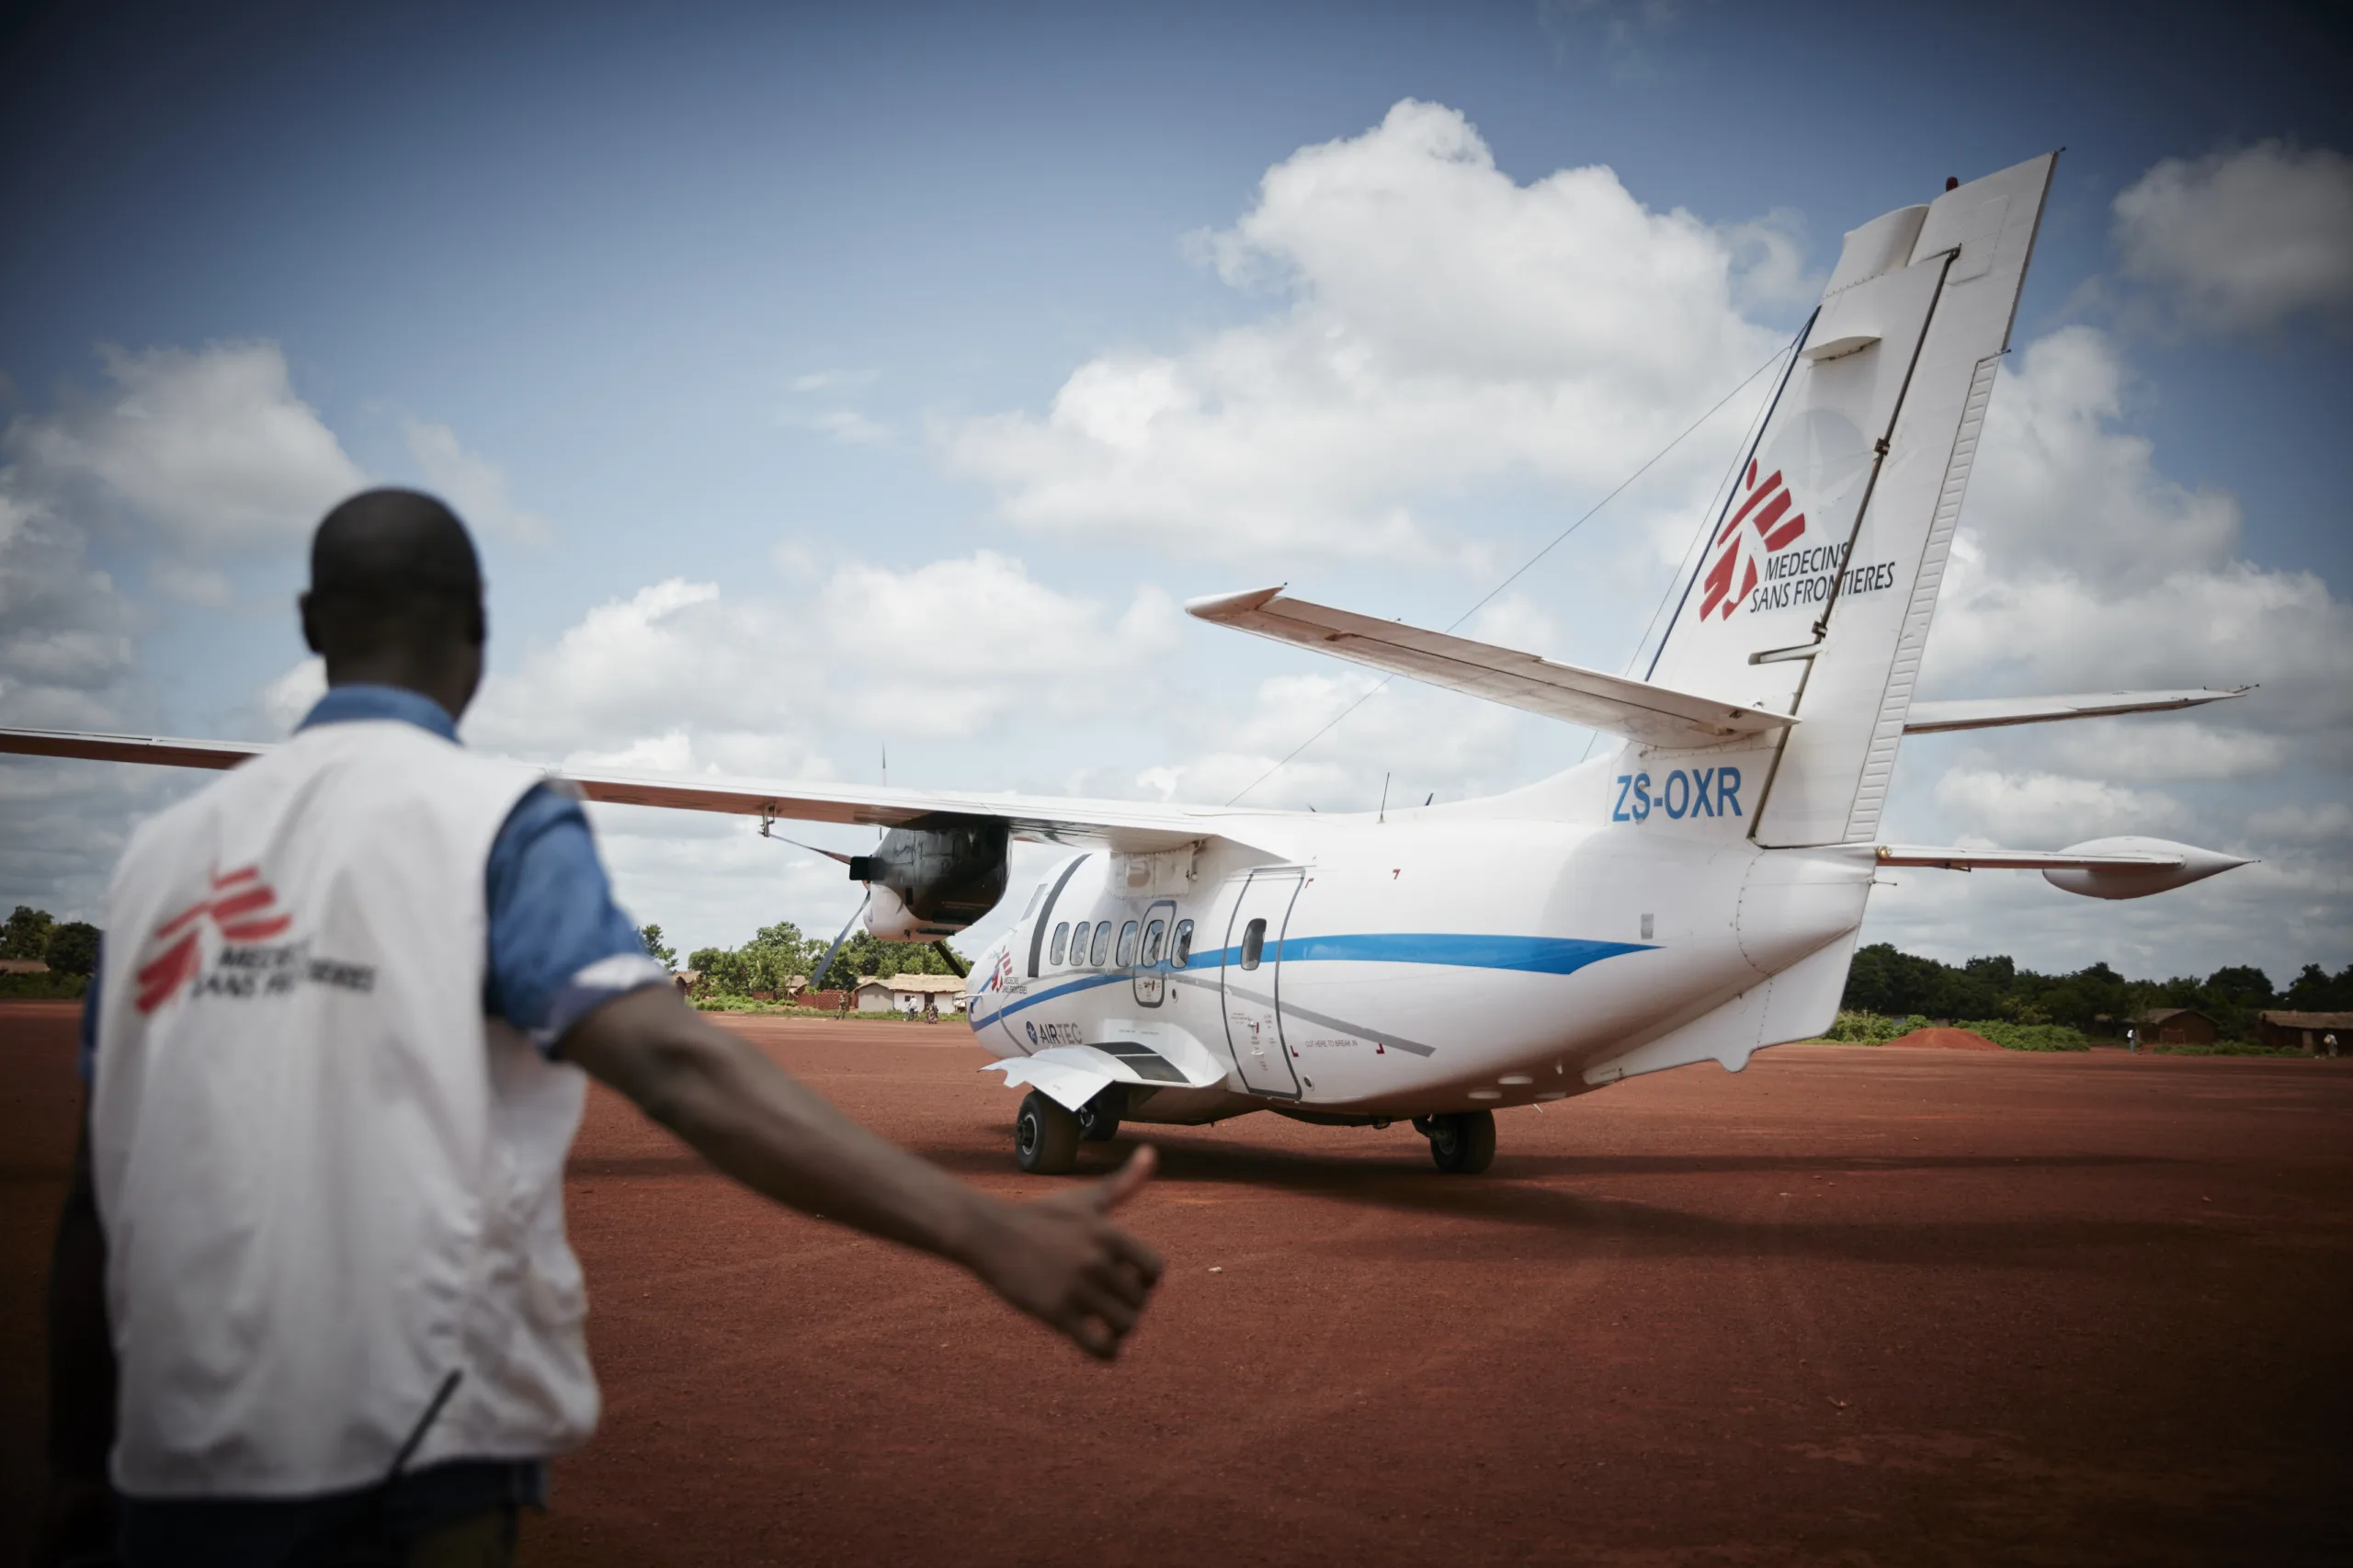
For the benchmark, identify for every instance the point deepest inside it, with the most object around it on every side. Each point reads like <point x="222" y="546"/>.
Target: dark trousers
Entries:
<point x="459" y="1515"/>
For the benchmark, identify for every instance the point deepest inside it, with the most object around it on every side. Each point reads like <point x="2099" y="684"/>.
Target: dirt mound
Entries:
<point x="1945" y="1040"/>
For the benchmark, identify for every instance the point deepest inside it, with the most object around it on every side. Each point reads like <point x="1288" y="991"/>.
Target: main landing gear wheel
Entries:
<point x="1099" y="1118"/>
<point x="1045" y="1136"/>
<point x="1462" y="1143"/>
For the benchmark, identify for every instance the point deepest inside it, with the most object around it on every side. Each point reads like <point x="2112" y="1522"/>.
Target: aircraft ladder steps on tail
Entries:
<point x="1694" y="895"/>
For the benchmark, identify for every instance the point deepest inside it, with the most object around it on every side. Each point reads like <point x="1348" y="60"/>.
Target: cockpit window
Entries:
<point x="1181" y="946"/>
<point x="1078" y="943"/>
<point x="1253" y="943"/>
<point x="1062" y="940"/>
<point x="1152" y="934"/>
<point x="1102" y="944"/>
<point x="1128" y="945"/>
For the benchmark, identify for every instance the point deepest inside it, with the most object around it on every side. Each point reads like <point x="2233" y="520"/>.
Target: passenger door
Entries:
<point x="1152" y="966"/>
<point x="1251" y="981"/>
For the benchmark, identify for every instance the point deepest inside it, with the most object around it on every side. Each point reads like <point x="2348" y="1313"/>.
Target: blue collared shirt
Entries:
<point x="553" y="923"/>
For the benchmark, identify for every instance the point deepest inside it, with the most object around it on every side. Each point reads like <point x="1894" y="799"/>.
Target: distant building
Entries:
<point x="2307" y="1032"/>
<point x="2176" y="1026"/>
<point x="905" y="993"/>
<point x="35" y="966"/>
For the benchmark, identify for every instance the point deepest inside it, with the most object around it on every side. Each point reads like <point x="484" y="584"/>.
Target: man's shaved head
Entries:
<point x="396" y="596"/>
<point x="395" y="543"/>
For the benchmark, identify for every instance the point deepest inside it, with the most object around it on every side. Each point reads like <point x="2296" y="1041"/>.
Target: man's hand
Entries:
<point x="1060" y="1260"/>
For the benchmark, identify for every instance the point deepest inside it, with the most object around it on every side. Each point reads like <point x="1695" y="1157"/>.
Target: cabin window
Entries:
<point x="1102" y="944"/>
<point x="1253" y="943"/>
<point x="1062" y="940"/>
<point x="1078" y="943"/>
<point x="1152" y="940"/>
<point x="1128" y="945"/>
<point x="1180" y="944"/>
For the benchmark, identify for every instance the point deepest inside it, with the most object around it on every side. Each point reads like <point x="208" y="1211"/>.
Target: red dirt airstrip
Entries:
<point x="1943" y="1039"/>
<point x="1853" y="1305"/>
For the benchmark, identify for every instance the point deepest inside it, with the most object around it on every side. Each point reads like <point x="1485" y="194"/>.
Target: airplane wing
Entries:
<point x="1991" y="712"/>
<point x="1133" y="827"/>
<point x="1656" y="714"/>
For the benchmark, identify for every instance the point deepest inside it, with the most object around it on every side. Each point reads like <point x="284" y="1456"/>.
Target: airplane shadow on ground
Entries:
<point x="1530" y="1198"/>
<point x="1507" y="1210"/>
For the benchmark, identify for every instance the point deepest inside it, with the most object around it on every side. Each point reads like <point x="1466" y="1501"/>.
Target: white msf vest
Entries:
<point x="328" y="1180"/>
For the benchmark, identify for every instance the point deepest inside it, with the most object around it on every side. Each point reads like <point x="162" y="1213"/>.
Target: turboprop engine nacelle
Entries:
<point x="2186" y="864"/>
<point x="934" y="880"/>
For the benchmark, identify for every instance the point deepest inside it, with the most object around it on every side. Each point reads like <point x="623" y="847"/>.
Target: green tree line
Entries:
<point x="2096" y="1000"/>
<point x="70" y="948"/>
<point x="778" y="952"/>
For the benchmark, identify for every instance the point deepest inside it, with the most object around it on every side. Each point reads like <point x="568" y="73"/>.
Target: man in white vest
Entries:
<point x="313" y="1300"/>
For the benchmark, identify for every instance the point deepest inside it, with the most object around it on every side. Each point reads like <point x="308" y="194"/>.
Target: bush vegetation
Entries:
<point x="1860" y="1027"/>
<point x="2094" y="1001"/>
<point x="776" y="953"/>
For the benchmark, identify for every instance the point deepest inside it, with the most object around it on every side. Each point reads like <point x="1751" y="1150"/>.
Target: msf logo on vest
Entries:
<point x="251" y="961"/>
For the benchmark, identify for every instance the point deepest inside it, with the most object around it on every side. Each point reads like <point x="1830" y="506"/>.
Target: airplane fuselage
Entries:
<point x="1436" y="961"/>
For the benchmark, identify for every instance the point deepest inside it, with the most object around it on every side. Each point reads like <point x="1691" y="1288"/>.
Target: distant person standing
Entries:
<point x="312" y="1300"/>
<point x="2131" y="1039"/>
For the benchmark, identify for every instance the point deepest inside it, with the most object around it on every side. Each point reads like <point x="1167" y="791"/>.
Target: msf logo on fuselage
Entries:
<point x="1766" y="513"/>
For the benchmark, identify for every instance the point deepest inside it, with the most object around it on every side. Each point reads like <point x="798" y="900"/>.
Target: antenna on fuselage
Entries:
<point x="1384" y="797"/>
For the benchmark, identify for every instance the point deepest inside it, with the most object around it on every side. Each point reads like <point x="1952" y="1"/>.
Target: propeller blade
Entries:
<point x="963" y="970"/>
<point x="817" y="981"/>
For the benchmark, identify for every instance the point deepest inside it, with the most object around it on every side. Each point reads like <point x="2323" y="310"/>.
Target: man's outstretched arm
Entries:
<point x="1059" y="1259"/>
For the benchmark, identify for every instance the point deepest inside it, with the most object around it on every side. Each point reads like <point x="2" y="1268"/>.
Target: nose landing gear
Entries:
<point x="1462" y="1143"/>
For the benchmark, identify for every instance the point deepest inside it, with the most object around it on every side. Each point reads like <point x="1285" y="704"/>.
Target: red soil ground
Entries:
<point x="1850" y="1306"/>
<point x="1943" y="1039"/>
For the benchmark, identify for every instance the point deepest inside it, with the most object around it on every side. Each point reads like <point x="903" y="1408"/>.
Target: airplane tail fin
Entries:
<point x="1813" y="593"/>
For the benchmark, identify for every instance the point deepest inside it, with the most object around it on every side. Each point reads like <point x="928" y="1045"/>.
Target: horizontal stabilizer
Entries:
<point x="1993" y="713"/>
<point x="2098" y="868"/>
<point x="1657" y="715"/>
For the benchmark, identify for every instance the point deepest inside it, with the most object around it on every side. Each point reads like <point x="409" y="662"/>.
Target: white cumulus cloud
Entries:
<point x="211" y="447"/>
<point x="1442" y="325"/>
<point x="684" y="676"/>
<point x="2242" y="241"/>
<point x="473" y="485"/>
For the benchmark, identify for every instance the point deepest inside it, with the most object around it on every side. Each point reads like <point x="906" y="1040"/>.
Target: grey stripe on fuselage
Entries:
<point x="1289" y="1010"/>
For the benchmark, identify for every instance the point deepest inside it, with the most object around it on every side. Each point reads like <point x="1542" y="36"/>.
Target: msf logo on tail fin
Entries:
<point x="1766" y="511"/>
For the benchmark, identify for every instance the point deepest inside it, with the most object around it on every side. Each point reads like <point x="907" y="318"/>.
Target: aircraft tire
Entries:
<point x="1099" y="1118"/>
<point x="1462" y="1143"/>
<point x="1045" y="1136"/>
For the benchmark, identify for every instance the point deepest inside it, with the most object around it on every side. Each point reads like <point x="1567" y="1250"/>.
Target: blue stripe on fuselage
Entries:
<point x="1534" y="955"/>
<point x="1530" y="955"/>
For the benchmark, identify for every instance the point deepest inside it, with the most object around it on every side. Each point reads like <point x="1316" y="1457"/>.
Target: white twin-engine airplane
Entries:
<point x="1694" y="895"/>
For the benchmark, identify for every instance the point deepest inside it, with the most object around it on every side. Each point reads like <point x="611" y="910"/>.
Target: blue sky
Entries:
<point x="837" y="323"/>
